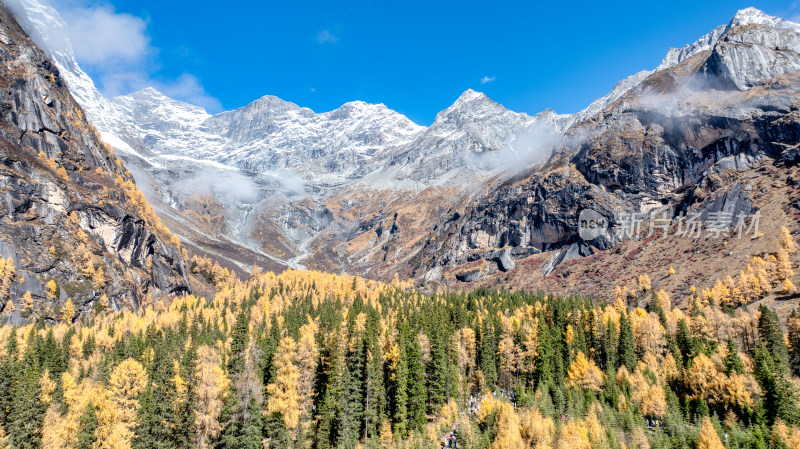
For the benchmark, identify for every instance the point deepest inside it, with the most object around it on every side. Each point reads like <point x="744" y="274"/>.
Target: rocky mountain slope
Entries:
<point x="479" y="192"/>
<point x="72" y="223"/>
<point x="695" y="136"/>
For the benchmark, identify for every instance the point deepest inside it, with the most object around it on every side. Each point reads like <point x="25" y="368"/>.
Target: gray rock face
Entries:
<point x="649" y="151"/>
<point x="753" y="49"/>
<point x="62" y="215"/>
<point x="471" y="276"/>
<point x="732" y="202"/>
<point x="656" y="136"/>
<point x="791" y="156"/>
<point x="504" y="261"/>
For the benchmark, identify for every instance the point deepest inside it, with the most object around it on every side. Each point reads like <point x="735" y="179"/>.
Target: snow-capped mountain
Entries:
<point x="303" y="179"/>
<point x="475" y="134"/>
<point x="49" y="30"/>
<point x="329" y="149"/>
<point x="270" y="134"/>
<point x="754" y="48"/>
<point x="773" y="53"/>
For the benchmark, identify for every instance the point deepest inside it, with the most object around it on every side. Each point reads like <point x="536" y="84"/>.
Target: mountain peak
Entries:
<point x="470" y="100"/>
<point x="471" y="95"/>
<point x="754" y="16"/>
<point x="274" y="104"/>
<point x="152" y="91"/>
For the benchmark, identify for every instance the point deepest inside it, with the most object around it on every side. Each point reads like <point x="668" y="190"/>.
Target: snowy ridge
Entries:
<point x="745" y="66"/>
<point x="273" y="165"/>
<point x="49" y="30"/>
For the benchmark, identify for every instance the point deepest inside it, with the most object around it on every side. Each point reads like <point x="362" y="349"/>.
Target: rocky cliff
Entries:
<point x="694" y="136"/>
<point x="484" y="192"/>
<point x="72" y="222"/>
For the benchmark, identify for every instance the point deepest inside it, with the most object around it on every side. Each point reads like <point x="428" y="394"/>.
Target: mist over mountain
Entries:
<point x="272" y="276"/>
<point x="276" y="184"/>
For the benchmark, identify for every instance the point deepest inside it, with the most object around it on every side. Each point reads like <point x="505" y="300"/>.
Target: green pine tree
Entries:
<point x="733" y="364"/>
<point x="417" y="395"/>
<point x="626" y="349"/>
<point x="87" y="427"/>
<point x="769" y="331"/>
<point x="25" y="419"/>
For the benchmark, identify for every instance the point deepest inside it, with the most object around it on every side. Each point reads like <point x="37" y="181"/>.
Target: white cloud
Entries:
<point x="185" y="87"/>
<point x="102" y="37"/>
<point x="326" y="36"/>
<point x="487" y="79"/>
<point x="114" y="47"/>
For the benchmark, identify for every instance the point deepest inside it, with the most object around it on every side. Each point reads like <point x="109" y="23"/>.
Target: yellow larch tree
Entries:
<point x="99" y="277"/>
<point x="103" y="302"/>
<point x="644" y="283"/>
<point x="9" y="308"/>
<point x="789" y="436"/>
<point x="52" y="289"/>
<point x="573" y="435"/>
<point x="53" y="436"/>
<point x="734" y="392"/>
<point x="67" y="311"/>
<point x="212" y="387"/>
<point x="584" y="373"/>
<point x="537" y="430"/>
<point x="7" y="275"/>
<point x="788" y="287"/>
<point x="307" y="354"/>
<point x="709" y="438"/>
<point x="702" y="377"/>
<point x="783" y="267"/>
<point x="27" y="303"/>
<point x="787" y="241"/>
<point x="128" y="380"/>
<point x="648" y="332"/>
<point x="46" y="387"/>
<point x="283" y="395"/>
<point x="508" y="427"/>
<point x="664" y="301"/>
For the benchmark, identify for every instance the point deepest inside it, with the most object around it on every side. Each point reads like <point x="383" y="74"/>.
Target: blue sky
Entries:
<point x="414" y="56"/>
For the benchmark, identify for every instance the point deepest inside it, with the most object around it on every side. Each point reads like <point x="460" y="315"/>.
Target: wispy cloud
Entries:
<point x="114" y="47"/>
<point x="326" y="37"/>
<point x="103" y="37"/>
<point x="487" y="79"/>
<point x="185" y="87"/>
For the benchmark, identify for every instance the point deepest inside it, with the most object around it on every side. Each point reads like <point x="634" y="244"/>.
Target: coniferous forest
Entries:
<point x="306" y="359"/>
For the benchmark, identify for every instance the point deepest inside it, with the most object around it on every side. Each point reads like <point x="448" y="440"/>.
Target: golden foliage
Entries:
<point x="787" y="241"/>
<point x="7" y="275"/>
<point x="212" y="387"/>
<point x="788" y="287"/>
<point x="127" y="381"/>
<point x="67" y="311"/>
<point x="508" y="427"/>
<point x="709" y="438"/>
<point x="584" y="373"/>
<point x="537" y="431"/>
<point x="52" y="289"/>
<point x="790" y="436"/>
<point x="644" y="283"/>
<point x="284" y="397"/>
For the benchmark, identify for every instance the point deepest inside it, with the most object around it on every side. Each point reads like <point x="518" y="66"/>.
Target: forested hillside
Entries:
<point x="305" y="359"/>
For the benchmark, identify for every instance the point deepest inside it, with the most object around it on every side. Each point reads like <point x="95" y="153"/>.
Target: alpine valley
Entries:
<point x="272" y="276"/>
<point x="484" y="194"/>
